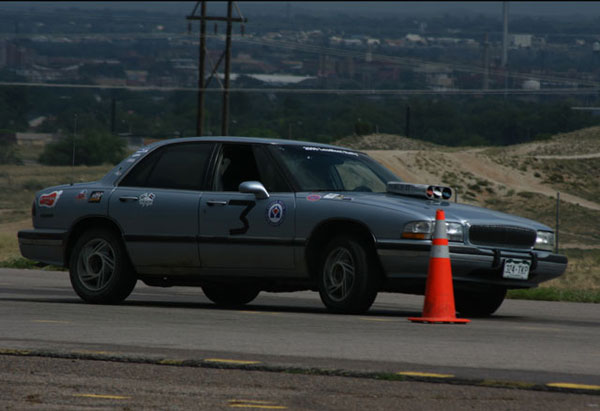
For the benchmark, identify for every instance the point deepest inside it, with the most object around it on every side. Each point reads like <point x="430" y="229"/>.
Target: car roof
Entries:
<point x="254" y="140"/>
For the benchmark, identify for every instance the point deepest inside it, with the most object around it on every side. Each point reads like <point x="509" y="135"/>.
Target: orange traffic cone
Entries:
<point x="439" y="293"/>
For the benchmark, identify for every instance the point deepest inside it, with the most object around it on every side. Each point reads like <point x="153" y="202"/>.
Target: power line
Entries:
<point x="399" y="92"/>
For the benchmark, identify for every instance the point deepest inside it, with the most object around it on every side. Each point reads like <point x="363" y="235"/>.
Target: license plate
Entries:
<point x="516" y="269"/>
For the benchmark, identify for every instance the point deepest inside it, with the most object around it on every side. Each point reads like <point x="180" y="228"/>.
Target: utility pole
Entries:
<point x="202" y="84"/>
<point x="486" y="63"/>
<point x="201" y="67"/>
<point x="505" y="34"/>
<point x="505" y="45"/>
<point x="225" y="106"/>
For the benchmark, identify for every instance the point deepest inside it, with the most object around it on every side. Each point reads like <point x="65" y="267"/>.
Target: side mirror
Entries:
<point x="254" y="187"/>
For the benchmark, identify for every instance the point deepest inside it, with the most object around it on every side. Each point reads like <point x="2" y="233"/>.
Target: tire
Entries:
<point x="348" y="276"/>
<point x="229" y="295"/>
<point x="479" y="303"/>
<point x="100" y="270"/>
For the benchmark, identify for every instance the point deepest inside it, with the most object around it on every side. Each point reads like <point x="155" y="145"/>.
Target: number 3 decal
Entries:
<point x="249" y="206"/>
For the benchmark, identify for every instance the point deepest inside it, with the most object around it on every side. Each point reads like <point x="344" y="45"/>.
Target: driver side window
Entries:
<point x="237" y="163"/>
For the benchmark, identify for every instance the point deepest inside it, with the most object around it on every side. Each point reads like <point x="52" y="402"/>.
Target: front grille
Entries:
<point x="502" y="236"/>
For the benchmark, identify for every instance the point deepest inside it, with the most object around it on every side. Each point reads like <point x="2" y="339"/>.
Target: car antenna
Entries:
<point x="73" y="156"/>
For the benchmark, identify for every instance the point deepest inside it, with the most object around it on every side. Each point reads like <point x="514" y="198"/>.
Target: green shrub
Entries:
<point x="9" y="153"/>
<point x="92" y="148"/>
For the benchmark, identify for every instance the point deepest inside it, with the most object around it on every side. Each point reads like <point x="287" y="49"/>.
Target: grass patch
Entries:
<point x="18" y="185"/>
<point x="24" y="263"/>
<point x="19" y="262"/>
<point x="556" y="294"/>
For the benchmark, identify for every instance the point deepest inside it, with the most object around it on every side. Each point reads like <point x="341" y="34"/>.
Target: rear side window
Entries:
<point x="177" y="166"/>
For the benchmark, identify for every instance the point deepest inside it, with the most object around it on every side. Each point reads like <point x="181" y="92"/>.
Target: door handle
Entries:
<point x="124" y="199"/>
<point x="212" y="203"/>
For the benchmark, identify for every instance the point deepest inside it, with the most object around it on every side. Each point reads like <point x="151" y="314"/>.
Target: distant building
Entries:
<point x="335" y="40"/>
<point x="353" y="42"/>
<point x="531" y="85"/>
<point x="36" y="122"/>
<point x="521" y="40"/>
<point x="415" y="39"/>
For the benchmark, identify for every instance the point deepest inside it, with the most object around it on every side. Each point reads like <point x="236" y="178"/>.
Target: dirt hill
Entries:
<point x="522" y="179"/>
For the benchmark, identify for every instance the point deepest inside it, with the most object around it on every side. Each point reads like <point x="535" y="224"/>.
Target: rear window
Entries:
<point x="176" y="166"/>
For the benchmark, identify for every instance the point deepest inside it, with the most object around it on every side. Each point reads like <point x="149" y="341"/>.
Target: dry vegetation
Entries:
<point x="18" y="185"/>
<point x="521" y="180"/>
<point x="383" y="142"/>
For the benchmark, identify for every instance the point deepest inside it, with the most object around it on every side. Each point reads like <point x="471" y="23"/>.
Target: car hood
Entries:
<point x="425" y="209"/>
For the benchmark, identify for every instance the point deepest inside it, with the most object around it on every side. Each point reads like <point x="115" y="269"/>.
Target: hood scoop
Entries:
<point x="431" y="192"/>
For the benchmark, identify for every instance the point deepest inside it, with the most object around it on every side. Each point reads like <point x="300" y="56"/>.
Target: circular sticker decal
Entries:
<point x="313" y="197"/>
<point x="275" y="213"/>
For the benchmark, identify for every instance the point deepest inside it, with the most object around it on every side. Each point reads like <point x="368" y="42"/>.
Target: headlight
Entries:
<point x="423" y="230"/>
<point x="455" y="232"/>
<point x="544" y="241"/>
<point x="418" y="230"/>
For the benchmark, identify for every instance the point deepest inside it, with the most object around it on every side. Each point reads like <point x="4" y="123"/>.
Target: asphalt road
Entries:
<point x="527" y="343"/>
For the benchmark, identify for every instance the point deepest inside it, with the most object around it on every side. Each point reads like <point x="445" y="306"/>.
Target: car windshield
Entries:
<point x="331" y="169"/>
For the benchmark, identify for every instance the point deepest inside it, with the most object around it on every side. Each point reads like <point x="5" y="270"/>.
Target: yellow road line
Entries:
<point x="267" y="405"/>
<point x="92" y="352"/>
<point x="575" y="386"/>
<point x="227" y="361"/>
<point x="11" y="351"/>
<point x="170" y="362"/>
<point x="102" y="396"/>
<point x="424" y="374"/>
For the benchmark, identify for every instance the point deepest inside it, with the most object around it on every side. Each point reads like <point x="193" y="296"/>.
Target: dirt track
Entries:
<point x="405" y="163"/>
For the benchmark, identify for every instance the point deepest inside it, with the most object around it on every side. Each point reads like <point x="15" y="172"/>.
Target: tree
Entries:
<point x="94" y="147"/>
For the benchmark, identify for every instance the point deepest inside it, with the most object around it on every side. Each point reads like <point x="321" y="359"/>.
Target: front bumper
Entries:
<point x="44" y="245"/>
<point x="470" y="265"/>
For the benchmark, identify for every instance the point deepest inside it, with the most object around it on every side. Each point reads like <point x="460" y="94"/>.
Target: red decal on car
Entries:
<point x="50" y="200"/>
<point x="82" y="195"/>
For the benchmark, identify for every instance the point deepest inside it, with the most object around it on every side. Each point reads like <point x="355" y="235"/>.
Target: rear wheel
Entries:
<point x="348" y="278"/>
<point x="229" y="295"/>
<point x="479" y="303"/>
<point x="100" y="271"/>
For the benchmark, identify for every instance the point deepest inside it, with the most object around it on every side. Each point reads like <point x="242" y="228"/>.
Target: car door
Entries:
<point x="156" y="205"/>
<point x="239" y="233"/>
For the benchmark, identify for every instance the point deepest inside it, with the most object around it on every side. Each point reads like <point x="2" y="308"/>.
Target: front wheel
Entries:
<point x="100" y="271"/>
<point x="348" y="278"/>
<point x="229" y="295"/>
<point x="479" y="303"/>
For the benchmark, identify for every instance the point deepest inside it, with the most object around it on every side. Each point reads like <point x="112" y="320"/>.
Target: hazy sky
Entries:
<point x="540" y="8"/>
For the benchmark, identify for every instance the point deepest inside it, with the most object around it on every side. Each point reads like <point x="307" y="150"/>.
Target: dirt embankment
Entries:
<point x="512" y="168"/>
